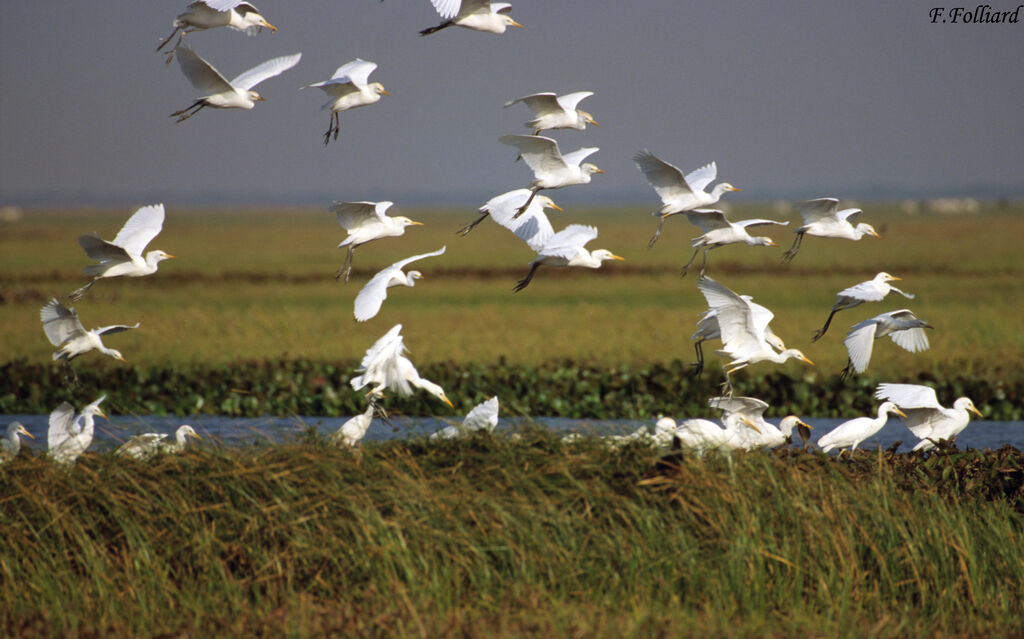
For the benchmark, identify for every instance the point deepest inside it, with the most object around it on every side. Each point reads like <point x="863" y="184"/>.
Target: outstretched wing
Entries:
<point x="400" y="264"/>
<point x="59" y="322"/>
<point x="447" y="9"/>
<point x="908" y="395"/>
<point x="116" y="328"/>
<point x="859" y="343"/>
<point x="201" y="73"/>
<point x="707" y="220"/>
<point x="352" y="215"/>
<point x="570" y="100"/>
<point x="914" y="339"/>
<point x="816" y="210"/>
<point x="540" y="153"/>
<point x="140" y="229"/>
<point x="567" y="242"/>
<point x="532" y="226"/>
<point x="59" y="430"/>
<point x="759" y="222"/>
<point x="667" y="180"/>
<point x="539" y="103"/>
<point x="276" y="66"/>
<point x="102" y="250"/>
<point x="741" y="324"/>
<point x="357" y="72"/>
<point x="576" y="157"/>
<point x="371" y="297"/>
<point x="699" y="179"/>
<point x="742" y="405"/>
<point x="865" y="292"/>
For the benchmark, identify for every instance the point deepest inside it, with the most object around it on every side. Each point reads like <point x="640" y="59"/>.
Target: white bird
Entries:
<point x="531" y="227"/>
<point x="68" y="436"/>
<point x="221" y="94"/>
<point x="10" y="445"/>
<point x="823" y="219"/>
<point x="347" y="89"/>
<point x="385" y="366"/>
<point x="565" y="248"/>
<point x="767" y="435"/>
<point x="703" y="435"/>
<point x="478" y="15"/>
<point x="708" y="329"/>
<point x="850" y="434"/>
<point x="210" y="14"/>
<point x="551" y="169"/>
<point x="902" y="327"/>
<point x="123" y="256"/>
<point x="147" y="445"/>
<point x="373" y="294"/>
<point x="552" y="111"/>
<point x="679" y="193"/>
<point x="743" y="326"/>
<point x="482" y="417"/>
<point x="719" y="231"/>
<point x="66" y="332"/>
<point x="366" y="222"/>
<point x="352" y="431"/>
<point x="925" y="416"/>
<point x="873" y="290"/>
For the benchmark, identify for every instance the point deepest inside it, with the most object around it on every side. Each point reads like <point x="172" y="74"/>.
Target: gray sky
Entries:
<point x="793" y="100"/>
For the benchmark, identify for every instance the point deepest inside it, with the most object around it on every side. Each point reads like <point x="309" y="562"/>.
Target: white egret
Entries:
<point x="768" y="435"/>
<point x="210" y="14"/>
<point x="851" y="433"/>
<point x="679" y="193"/>
<point x="352" y="431"/>
<point x="366" y="222"/>
<point x="873" y="290"/>
<point x="482" y="417"/>
<point x="703" y="435"/>
<point x="719" y="231"/>
<point x="147" y="445"/>
<point x="123" y="256"/>
<point x="11" y="444"/>
<point x="902" y="327"/>
<point x="551" y="169"/>
<point x="531" y="227"/>
<point x="347" y="89"/>
<point x="925" y="416"/>
<point x="478" y="15"/>
<point x="565" y="248"/>
<point x="708" y="329"/>
<point x="221" y="94"/>
<point x="742" y="325"/>
<point x="385" y="366"/>
<point x="66" y="332"/>
<point x="823" y="219"/>
<point x="373" y="294"/>
<point x="552" y="111"/>
<point x="68" y="436"/>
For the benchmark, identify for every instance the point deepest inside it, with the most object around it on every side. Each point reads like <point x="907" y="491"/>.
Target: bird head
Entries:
<point x="587" y="168"/>
<point x="588" y="118"/>
<point x="116" y="354"/>
<point x="404" y="221"/>
<point x="509" y="22"/>
<point x="605" y="254"/>
<point x="764" y="241"/>
<point x="796" y="354"/>
<point x="18" y="428"/>
<point x="547" y="203"/>
<point x="866" y="229"/>
<point x="379" y="89"/>
<point x="965" y="403"/>
<point x="885" y="277"/>
<point x="256" y="97"/>
<point x="263" y="23"/>
<point x="415" y="275"/>
<point x="158" y="256"/>
<point x="188" y="431"/>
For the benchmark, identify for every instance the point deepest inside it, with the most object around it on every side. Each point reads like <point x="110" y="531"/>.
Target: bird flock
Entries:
<point x="742" y="326"/>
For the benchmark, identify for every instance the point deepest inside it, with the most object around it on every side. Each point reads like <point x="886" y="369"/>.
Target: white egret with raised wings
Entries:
<point x="482" y="417"/>
<point x="719" y="231"/>
<point x="551" y="169"/>
<point x="551" y="111"/>
<point x="823" y="218"/>
<point x="708" y="329"/>
<point x="565" y="248"/>
<point x="904" y="328"/>
<point x="374" y="292"/>
<point x="65" y="331"/>
<point x="366" y="222"/>
<point x="766" y="434"/>
<point x="873" y="290"/>
<point x="221" y="94"/>
<point x="851" y="433"/>
<point x="476" y="15"/>
<point x="532" y="227"/>
<point x="69" y="436"/>
<point x="210" y="14"/>
<point x="348" y="88"/>
<point x="929" y="420"/>
<point x="385" y="367"/>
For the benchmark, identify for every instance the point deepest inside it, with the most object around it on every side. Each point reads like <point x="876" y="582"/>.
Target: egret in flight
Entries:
<point x="221" y="94"/>
<point x="902" y="327"/>
<point x="708" y="329"/>
<point x="552" y="111"/>
<point x="385" y="367"/>
<point x="565" y="248"/>
<point x="352" y="431"/>
<point x="373" y="294"/>
<point x="478" y="15"/>
<point x="551" y="169"/>
<point x="823" y="219"/>
<point x="68" y="436"/>
<point x="147" y="445"/>
<point x="851" y="433"/>
<point x="531" y="227"/>
<point x="925" y="416"/>
<point x="11" y="444"/>
<point x="66" y="332"/>
<point x="719" y="231"/>
<point x="209" y="14"/>
<point x="873" y="290"/>
<point x="347" y="89"/>
<point x="366" y="222"/>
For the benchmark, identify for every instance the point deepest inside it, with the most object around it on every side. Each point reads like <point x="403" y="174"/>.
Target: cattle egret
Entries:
<point x="221" y="94"/>
<point x="902" y="327"/>
<point x="385" y="366"/>
<point x="718" y="231"/>
<point x="11" y="444"/>
<point x="482" y="417"/>
<point x="478" y="15"/>
<point x="210" y="14"/>
<point x="873" y="290"/>
<point x="366" y="222"/>
<point x="147" y="445"/>
<point x="823" y="219"/>
<point x="551" y="169"/>
<point x="66" y="332"/>
<point x="531" y="227"/>
<point x="925" y="416"/>
<point x="767" y="435"/>
<point x="708" y="329"/>
<point x="373" y="294"/>
<point x="348" y="89"/>
<point x="565" y="248"/>
<point x="352" y="431"/>
<point x="68" y="436"/>
<point x="552" y="111"/>
<point x="850" y="434"/>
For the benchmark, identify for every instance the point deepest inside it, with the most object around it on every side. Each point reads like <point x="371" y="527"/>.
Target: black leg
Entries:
<point x="464" y="231"/>
<point x="821" y="332"/>
<point x="687" y="266"/>
<point x="523" y="283"/>
<point x="791" y="253"/>
<point x="533" y="192"/>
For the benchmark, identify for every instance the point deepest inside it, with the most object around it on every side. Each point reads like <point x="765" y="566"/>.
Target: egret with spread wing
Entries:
<point x="68" y="436"/>
<point x="348" y="88"/>
<point x="708" y="329"/>
<point x="221" y="94"/>
<point x="531" y="227"/>
<point x="385" y="367"/>
<point x="822" y="218"/>
<point x="767" y="434"/>
<point x="366" y="222"/>
<point x="565" y="248"/>
<point x="373" y="294"/>
<point x="873" y="290"/>
<point x="551" y="169"/>
<point x="719" y="231"/>
<point x="903" y="328"/>
<point x="66" y="332"/>
<point x="210" y="14"/>
<point x="929" y="420"/>
<point x="552" y="111"/>
<point x="477" y="15"/>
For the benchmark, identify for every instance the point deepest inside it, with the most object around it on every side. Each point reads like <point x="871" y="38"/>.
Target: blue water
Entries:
<point x="236" y="432"/>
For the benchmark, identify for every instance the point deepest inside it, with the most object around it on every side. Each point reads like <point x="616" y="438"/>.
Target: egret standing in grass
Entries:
<point x="147" y="445"/>
<point x="347" y="89"/>
<point x="68" y="436"/>
<point x="373" y="294"/>
<point x="552" y="111"/>
<point x="873" y="290"/>
<point x="851" y="433"/>
<point x="719" y="231"/>
<point x="551" y="169"/>
<point x="353" y="430"/>
<point x="482" y="417"/>
<point x="532" y="227"/>
<point x="822" y="218"/>
<point x="902" y="327"/>
<point x="385" y="367"/>
<point x="66" y="332"/>
<point x="210" y="14"/>
<point x="929" y="420"/>
<point x="366" y="222"/>
<point x="476" y="15"/>
<point x="565" y="248"/>
<point x="11" y="444"/>
<point x="221" y="94"/>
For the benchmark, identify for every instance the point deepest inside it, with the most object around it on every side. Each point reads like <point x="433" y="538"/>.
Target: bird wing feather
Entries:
<point x="275" y="66"/>
<point x="102" y="250"/>
<point x="115" y="328"/>
<point x="447" y="8"/>
<point x="576" y="157"/>
<point x="540" y="153"/>
<point x="743" y="405"/>
<point x="357" y="72"/>
<point x="759" y="222"/>
<point x="201" y="73"/>
<point x="352" y="215"/>
<point x="539" y="103"/>
<point x="865" y="292"/>
<point x="569" y="101"/>
<point x="914" y="339"/>
<point x="483" y="416"/>
<point x="667" y="180"/>
<point x="699" y="179"/>
<point x="140" y="229"/>
<point x="567" y="242"/>
<point x="818" y="209"/>
<point x="859" y="342"/>
<point x="59" y="322"/>
<point x="59" y="430"/>
<point x="708" y="220"/>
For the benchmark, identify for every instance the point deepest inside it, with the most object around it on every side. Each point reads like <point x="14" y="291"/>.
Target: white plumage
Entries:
<point x="66" y="332"/>
<point x="551" y="169"/>
<point x="902" y="327"/>
<point x="551" y="111"/>
<point x="719" y="231"/>
<point x="366" y="222"/>
<point x="352" y="431"/>
<point x="822" y="218"/>
<point x="532" y="226"/>
<point x="873" y="290"/>
<point x="483" y="416"/>
<point x="373" y="294"/>
<point x="476" y="15"/>
<point x="929" y="420"/>
<point x="68" y="436"/>
<point x="565" y="248"/>
<point x="147" y="445"/>
<point x="348" y="88"/>
<point x="221" y="94"/>
<point x="11" y="444"/>
<point x="210" y="14"/>
<point x="851" y="433"/>
<point x="385" y="367"/>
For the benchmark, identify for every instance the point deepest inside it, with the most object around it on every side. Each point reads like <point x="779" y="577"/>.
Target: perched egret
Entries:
<point x="531" y="227"/>
<point x="373" y="294"/>
<point x="850" y="434"/>
<point x="873" y="290"/>
<point x="703" y="435"/>
<point x="123" y="256"/>
<point x="679" y="193"/>
<point x="352" y="431"/>
<point x="385" y="366"/>
<point x="768" y="435"/>
<point x="209" y="14"/>
<point x="718" y="231"/>
<point x="925" y="416"/>
<point x="708" y="329"/>
<point x="565" y="248"/>
<point x="478" y="15"/>
<point x="69" y="336"/>
<point x="552" y="111"/>
<point x="823" y="219"/>
<point x="742" y="325"/>
<point x="147" y="445"/>
<point x="551" y="169"/>
<point x="482" y="417"/>
<point x="10" y="445"/>
<point x="366" y="222"/>
<point x="221" y="94"/>
<point x="902" y="327"/>
<point x="68" y="436"/>
<point x="348" y="89"/>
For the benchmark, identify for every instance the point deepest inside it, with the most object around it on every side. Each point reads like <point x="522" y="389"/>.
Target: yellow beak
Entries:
<point x="513" y="23"/>
<point x="268" y="25"/>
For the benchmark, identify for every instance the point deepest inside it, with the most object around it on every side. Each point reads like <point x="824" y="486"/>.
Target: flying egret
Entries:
<point x="742" y="325"/>
<point x="482" y="417"/>
<point x="531" y="227"/>
<point x="708" y="329"/>
<point x="902" y="327"/>
<point x="68" y="436"/>
<point x="347" y="89"/>
<point x="373" y="294"/>
<point x="552" y="111"/>
<point x="221" y="94"/>
<point x="123" y="256"/>
<point x="925" y="416"/>
<point x="10" y="445"/>
<point x="478" y="15"/>
<point x="873" y="290"/>
<point x="679" y="193"/>
<point x="768" y="435"/>
<point x="823" y="219"/>
<point x="565" y="248"/>
<point x="851" y="433"/>
<point x="209" y="14"/>
<point x="66" y="332"/>
<point x="551" y="169"/>
<point x="366" y="222"/>
<point x="352" y="431"/>
<point x="147" y="445"/>
<point x="718" y="231"/>
<point x="385" y="366"/>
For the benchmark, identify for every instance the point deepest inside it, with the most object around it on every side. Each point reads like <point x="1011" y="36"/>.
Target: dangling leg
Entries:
<point x="727" y="384"/>
<point x="821" y="331"/>
<point x="464" y="231"/>
<point x="791" y="253"/>
<point x="430" y="30"/>
<point x="847" y="370"/>
<point x="174" y="49"/>
<point x="704" y="262"/>
<point x="337" y="124"/>
<point x="526" y="280"/>
<point x="522" y="208"/>
<point x="330" y="129"/>
<point x="346" y="270"/>
<point x="687" y="266"/>
<point x="657" y="232"/>
<point x="79" y="293"/>
<point x="699" y="366"/>
<point x="184" y="113"/>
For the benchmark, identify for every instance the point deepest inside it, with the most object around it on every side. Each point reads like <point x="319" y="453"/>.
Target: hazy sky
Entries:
<point x="792" y="99"/>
